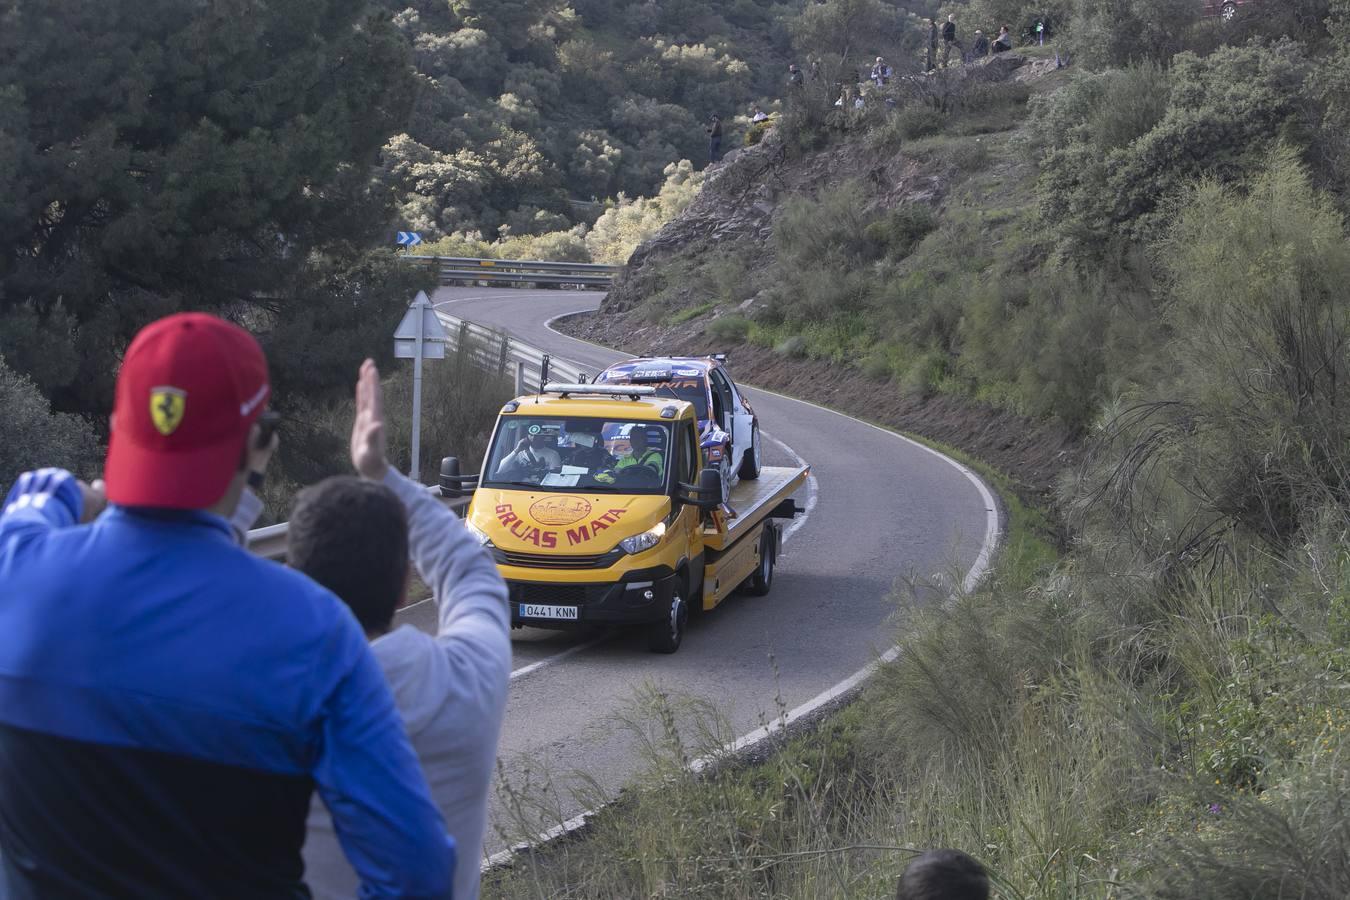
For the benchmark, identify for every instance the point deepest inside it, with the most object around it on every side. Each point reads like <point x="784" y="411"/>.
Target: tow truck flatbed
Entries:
<point x="752" y="501"/>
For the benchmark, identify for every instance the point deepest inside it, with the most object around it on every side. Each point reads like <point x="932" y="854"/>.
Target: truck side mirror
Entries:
<point x="707" y="494"/>
<point x="450" y="478"/>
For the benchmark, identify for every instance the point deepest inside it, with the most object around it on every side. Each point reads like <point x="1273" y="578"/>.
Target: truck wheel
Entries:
<point x="665" y="636"/>
<point x="1228" y="11"/>
<point x="758" y="584"/>
<point x="750" y="461"/>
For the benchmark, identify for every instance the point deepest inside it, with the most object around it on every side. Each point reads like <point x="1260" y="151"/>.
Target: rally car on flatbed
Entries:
<point x="728" y="426"/>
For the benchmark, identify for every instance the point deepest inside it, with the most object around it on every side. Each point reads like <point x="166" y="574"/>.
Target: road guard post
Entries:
<point x="419" y="336"/>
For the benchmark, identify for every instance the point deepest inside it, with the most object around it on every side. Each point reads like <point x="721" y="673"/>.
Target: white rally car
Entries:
<point x="729" y="429"/>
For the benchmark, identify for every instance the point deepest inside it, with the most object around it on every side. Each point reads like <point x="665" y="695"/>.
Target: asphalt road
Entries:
<point x="885" y="509"/>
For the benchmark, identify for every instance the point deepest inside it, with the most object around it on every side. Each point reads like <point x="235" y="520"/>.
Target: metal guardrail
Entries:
<point x="473" y="270"/>
<point x="496" y="351"/>
<point x="270" y="542"/>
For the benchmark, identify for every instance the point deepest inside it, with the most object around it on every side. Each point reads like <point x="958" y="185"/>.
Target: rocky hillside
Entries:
<point x="674" y="294"/>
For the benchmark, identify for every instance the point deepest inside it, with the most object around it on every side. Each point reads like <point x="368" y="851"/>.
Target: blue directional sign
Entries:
<point x="408" y="239"/>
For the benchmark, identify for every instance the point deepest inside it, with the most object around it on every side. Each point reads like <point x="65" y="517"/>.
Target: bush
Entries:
<point x="916" y="122"/>
<point x="35" y="437"/>
<point x="1112" y="155"/>
<point x="1120" y="32"/>
<point x="733" y="329"/>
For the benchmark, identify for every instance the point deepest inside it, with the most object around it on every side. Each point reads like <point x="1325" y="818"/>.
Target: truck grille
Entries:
<point x="549" y="594"/>
<point x="546" y="561"/>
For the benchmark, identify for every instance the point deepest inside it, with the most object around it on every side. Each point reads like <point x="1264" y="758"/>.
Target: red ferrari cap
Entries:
<point x="190" y="388"/>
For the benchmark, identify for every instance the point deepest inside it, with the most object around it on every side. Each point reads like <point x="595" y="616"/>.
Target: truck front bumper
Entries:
<point x="642" y="596"/>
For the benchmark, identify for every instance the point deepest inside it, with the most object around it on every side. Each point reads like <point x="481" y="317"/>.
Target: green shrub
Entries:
<point x="36" y="437"/>
<point x="1112" y="155"/>
<point x="914" y="122"/>
<point x="793" y="346"/>
<point x="901" y="229"/>
<point x="1119" y="32"/>
<point x="734" y="329"/>
<point x="688" y="315"/>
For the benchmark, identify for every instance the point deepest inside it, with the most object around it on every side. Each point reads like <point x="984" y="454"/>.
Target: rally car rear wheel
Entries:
<point x="665" y="635"/>
<point x="750" y="461"/>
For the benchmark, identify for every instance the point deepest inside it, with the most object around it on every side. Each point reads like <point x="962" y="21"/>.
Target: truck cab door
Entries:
<point x="689" y="519"/>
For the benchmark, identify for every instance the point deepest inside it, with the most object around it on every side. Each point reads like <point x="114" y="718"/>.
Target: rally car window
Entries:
<point x="578" y="453"/>
<point x="723" y="389"/>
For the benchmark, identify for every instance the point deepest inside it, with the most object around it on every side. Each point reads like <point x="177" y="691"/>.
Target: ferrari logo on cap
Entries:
<point x="166" y="408"/>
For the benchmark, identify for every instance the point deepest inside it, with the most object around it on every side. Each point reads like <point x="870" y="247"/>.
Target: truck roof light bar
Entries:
<point x="631" y="391"/>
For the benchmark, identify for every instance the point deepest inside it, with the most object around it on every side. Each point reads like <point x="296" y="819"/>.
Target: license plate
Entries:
<point x="531" y="611"/>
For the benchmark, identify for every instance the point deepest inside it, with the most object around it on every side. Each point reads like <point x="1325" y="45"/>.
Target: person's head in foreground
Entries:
<point x="943" y="875"/>
<point x="189" y="397"/>
<point x="351" y="536"/>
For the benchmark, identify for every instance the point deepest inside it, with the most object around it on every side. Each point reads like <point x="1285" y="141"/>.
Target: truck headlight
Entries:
<point x="479" y="534"/>
<point x="645" y="541"/>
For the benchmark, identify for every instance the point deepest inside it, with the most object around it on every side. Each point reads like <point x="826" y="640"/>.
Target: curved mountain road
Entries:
<point x="885" y="507"/>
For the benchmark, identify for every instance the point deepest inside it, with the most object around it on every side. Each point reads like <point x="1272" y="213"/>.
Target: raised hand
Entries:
<point x="368" y="437"/>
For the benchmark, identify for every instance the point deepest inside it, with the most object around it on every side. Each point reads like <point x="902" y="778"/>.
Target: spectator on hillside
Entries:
<point x="794" y="76"/>
<point x="168" y="701"/>
<point x="757" y="114"/>
<point x="815" y="68"/>
<point x="1003" y="42"/>
<point x="943" y="875"/>
<point x="980" y="48"/>
<point x="930" y="61"/>
<point x="949" y="39"/>
<point x="881" y="73"/>
<point x="353" y="536"/>
<point x="714" y="130"/>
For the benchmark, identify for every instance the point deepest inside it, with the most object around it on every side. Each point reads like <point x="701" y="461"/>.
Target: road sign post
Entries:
<point x="419" y="336"/>
<point x="408" y="239"/>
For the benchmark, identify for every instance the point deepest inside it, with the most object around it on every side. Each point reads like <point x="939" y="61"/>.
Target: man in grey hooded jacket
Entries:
<point x="350" y="536"/>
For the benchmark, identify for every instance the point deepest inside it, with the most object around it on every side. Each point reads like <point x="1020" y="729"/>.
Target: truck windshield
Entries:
<point x="618" y="456"/>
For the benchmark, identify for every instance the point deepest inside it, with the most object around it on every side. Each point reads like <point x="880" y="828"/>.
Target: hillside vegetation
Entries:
<point x="254" y="159"/>
<point x="1149" y="248"/>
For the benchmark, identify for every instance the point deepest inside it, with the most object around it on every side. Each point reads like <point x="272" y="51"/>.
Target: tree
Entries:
<point x="160" y="155"/>
<point x="843" y="31"/>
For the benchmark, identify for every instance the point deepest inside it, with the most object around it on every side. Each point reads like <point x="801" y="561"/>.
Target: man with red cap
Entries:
<point x="169" y="702"/>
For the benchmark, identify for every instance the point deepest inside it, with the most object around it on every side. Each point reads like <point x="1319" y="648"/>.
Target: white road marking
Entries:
<point x="973" y="576"/>
<point x="550" y="660"/>
<point x="812" y="489"/>
<point x="537" y="664"/>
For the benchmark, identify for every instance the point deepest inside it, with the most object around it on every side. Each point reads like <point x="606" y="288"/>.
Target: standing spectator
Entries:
<point x="757" y="114"/>
<point x="794" y="76"/>
<point x="879" y="72"/>
<point x="351" y="535"/>
<point x="943" y="875"/>
<point x="949" y="38"/>
<point x="980" y="48"/>
<point x="1003" y="42"/>
<point x="168" y="701"/>
<point x="714" y="129"/>
<point x="815" y="68"/>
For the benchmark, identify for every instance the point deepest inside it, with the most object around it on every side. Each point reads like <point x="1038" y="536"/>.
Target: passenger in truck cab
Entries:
<point x="587" y="445"/>
<point x="645" y="452"/>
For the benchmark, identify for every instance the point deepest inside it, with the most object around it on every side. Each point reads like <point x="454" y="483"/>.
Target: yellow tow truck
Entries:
<point x="597" y="506"/>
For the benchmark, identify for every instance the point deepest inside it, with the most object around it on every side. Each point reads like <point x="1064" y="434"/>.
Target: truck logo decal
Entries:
<point x="560" y="510"/>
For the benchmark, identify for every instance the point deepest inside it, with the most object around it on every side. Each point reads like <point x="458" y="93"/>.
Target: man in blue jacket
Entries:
<point x="168" y="702"/>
